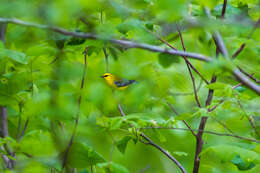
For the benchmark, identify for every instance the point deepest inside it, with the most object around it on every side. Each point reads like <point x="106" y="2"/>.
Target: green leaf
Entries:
<point x="216" y="85"/>
<point x="242" y="165"/>
<point x="122" y="144"/>
<point x="14" y="55"/>
<point x="111" y="167"/>
<point x="166" y="60"/>
<point x="130" y="24"/>
<point x="81" y="156"/>
<point x="227" y="153"/>
<point x="180" y="153"/>
<point x="240" y="89"/>
<point x="230" y="11"/>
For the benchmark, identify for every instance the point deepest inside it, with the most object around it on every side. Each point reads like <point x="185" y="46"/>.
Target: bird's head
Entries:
<point x="107" y="76"/>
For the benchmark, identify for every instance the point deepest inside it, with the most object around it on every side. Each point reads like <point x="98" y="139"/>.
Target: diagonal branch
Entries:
<point x="185" y="122"/>
<point x="150" y="142"/>
<point x="188" y="66"/>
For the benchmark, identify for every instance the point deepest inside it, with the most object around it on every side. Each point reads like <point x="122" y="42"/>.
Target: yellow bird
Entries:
<point x="116" y="82"/>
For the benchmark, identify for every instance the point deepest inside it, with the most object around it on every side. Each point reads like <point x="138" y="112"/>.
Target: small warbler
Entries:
<point x="116" y="82"/>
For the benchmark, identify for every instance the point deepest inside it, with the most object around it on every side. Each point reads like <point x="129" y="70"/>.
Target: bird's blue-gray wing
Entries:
<point x="124" y="82"/>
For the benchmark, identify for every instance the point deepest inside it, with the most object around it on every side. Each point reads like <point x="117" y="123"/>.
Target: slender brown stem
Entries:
<point x="224" y="9"/>
<point x="144" y="169"/>
<point x="188" y="66"/>
<point x="24" y="129"/>
<point x="150" y="142"/>
<point x="3" y="122"/>
<point x="251" y="76"/>
<point x="250" y="119"/>
<point x="106" y="57"/>
<point x="239" y="50"/>
<point x="171" y="46"/>
<point x="120" y="109"/>
<point x="64" y="162"/>
<point x="185" y="122"/>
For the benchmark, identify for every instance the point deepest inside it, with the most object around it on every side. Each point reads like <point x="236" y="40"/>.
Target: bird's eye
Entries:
<point x="106" y="76"/>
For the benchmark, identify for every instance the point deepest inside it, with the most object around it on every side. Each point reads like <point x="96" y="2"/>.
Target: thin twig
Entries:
<point x="144" y="169"/>
<point x="4" y="122"/>
<point x="224" y="9"/>
<point x="239" y="50"/>
<point x="185" y="122"/>
<point x="223" y="125"/>
<point x="251" y="76"/>
<point x="24" y="129"/>
<point x="120" y="109"/>
<point x="78" y="111"/>
<point x="150" y="142"/>
<point x="236" y="72"/>
<point x="106" y="57"/>
<point x="193" y="68"/>
<point x="206" y="131"/>
<point x="251" y="121"/>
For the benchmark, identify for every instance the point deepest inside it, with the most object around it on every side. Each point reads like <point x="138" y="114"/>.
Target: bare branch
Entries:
<point x="126" y="43"/>
<point x="144" y="169"/>
<point x="120" y="110"/>
<point x="64" y="162"/>
<point x="131" y="44"/>
<point x="3" y="121"/>
<point x="185" y="122"/>
<point x="249" y="75"/>
<point x="24" y="129"/>
<point x="150" y="142"/>
<point x="224" y="9"/>
<point x="106" y="57"/>
<point x="239" y="50"/>
<point x="236" y="72"/>
<point x="193" y="68"/>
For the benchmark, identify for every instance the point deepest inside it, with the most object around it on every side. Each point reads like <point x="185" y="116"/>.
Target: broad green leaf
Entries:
<point x="82" y="156"/>
<point x="122" y="144"/>
<point x="166" y="60"/>
<point x="111" y="167"/>
<point x="14" y="55"/>
<point x="228" y="152"/>
<point x="241" y="164"/>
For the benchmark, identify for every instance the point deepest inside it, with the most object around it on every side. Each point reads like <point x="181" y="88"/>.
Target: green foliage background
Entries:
<point x="40" y="82"/>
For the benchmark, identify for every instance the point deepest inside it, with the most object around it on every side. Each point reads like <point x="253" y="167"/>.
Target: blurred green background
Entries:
<point x="41" y="73"/>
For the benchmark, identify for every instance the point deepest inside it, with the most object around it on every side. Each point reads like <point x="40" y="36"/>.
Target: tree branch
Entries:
<point x="126" y="43"/>
<point x="206" y="131"/>
<point x="236" y="72"/>
<point x="120" y="109"/>
<point x="131" y="44"/>
<point x="77" y="114"/>
<point x="185" y="122"/>
<point x="193" y="68"/>
<point x="150" y="142"/>
<point x="188" y="66"/>
<point x="106" y="58"/>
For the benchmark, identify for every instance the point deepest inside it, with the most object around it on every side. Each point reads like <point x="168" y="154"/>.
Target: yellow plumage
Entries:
<point x="116" y="82"/>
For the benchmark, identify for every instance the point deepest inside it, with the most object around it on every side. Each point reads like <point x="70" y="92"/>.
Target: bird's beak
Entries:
<point x="102" y="76"/>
